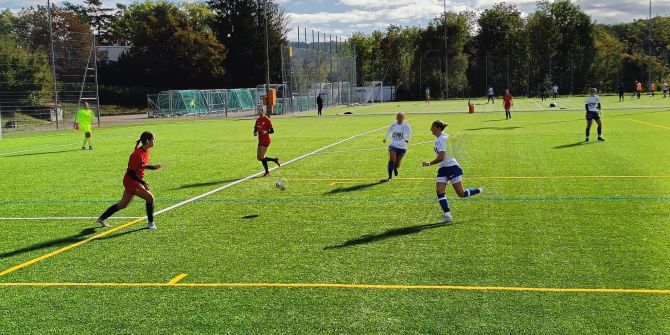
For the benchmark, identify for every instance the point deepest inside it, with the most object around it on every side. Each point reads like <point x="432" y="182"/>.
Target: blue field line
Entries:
<point x="349" y="200"/>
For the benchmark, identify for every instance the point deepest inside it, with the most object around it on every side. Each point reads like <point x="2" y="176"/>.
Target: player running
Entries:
<point x="507" y="103"/>
<point x="133" y="181"/>
<point x="263" y="129"/>
<point x="665" y="89"/>
<point x="400" y="133"/>
<point x="448" y="171"/>
<point x="593" y="113"/>
<point x="84" y="122"/>
<point x="490" y="94"/>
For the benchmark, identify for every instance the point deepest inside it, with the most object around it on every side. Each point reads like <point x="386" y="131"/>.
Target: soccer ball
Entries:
<point x="281" y="184"/>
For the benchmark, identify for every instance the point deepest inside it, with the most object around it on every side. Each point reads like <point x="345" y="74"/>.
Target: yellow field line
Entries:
<point x="350" y="286"/>
<point x="175" y="280"/>
<point x="66" y="248"/>
<point x="334" y="181"/>
<point x="650" y="124"/>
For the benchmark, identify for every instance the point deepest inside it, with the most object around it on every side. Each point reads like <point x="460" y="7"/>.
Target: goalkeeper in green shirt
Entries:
<point x="84" y="122"/>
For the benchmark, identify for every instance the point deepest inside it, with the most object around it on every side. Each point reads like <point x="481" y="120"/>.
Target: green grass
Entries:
<point x="336" y="224"/>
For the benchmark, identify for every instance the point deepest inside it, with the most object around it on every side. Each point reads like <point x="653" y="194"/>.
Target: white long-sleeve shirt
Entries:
<point x="441" y="146"/>
<point x="399" y="133"/>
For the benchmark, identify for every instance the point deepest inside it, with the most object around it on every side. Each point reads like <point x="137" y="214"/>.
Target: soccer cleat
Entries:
<point x="83" y="148"/>
<point x="152" y="226"/>
<point x="587" y="140"/>
<point x="267" y="174"/>
<point x="276" y="160"/>
<point x="395" y="172"/>
<point x="601" y="139"/>
<point x="90" y="147"/>
<point x="481" y="190"/>
<point x="446" y="218"/>
<point x="102" y="223"/>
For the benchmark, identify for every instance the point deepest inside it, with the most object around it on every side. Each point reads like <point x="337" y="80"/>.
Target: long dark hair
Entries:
<point x="440" y="124"/>
<point x="144" y="138"/>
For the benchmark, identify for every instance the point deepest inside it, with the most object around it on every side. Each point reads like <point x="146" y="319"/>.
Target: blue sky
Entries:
<point x="343" y="17"/>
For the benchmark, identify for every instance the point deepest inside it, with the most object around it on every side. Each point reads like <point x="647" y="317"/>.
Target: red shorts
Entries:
<point x="508" y="106"/>
<point x="131" y="185"/>
<point x="264" y="142"/>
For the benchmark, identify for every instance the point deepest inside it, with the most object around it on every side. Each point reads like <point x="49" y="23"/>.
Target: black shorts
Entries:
<point x="593" y="115"/>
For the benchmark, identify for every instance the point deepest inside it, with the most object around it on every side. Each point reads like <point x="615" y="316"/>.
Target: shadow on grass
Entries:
<point x="356" y="187"/>
<point x="42" y="153"/>
<point x="391" y="233"/>
<point x="65" y="241"/>
<point x="84" y="234"/>
<point x="209" y="183"/>
<point x="570" y="145"/>
<point x="496" y="128"/>
<point x="250" y="216"/>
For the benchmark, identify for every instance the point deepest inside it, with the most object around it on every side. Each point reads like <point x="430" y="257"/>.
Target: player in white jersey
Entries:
<point x="448" y="172"/>
<point x="593" y="113"/>
<point x="400" y="133"/>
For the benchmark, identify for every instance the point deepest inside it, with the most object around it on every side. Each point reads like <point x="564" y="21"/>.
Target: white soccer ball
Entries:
<point x="281" y="184"/>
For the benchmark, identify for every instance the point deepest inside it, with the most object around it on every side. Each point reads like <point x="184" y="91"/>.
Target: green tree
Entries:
<point x="28" y="80"/>
<point x="97" y="16"/>
<point x="240" y="25"/>
<point x="607" y="64"/>
<point x="7" y="20"/>
<point x="169" y="49"/>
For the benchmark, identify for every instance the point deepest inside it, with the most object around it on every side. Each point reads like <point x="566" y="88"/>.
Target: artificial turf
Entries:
<point x="557" y="213"/>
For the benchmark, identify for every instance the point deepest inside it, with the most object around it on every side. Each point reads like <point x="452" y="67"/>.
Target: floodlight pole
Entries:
<point x="53" y="62"/>
<point x="446" y="62"/>
<point x="649" y="31"/>
<point x="267" y="59"/>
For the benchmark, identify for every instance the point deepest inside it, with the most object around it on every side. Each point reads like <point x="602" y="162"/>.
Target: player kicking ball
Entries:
<point x="133" y="183"/>
<point x="593" y="108"/>
<point x="400" y="133"/>
<point x="448" y="171"/>
<point x="263" y="128"/>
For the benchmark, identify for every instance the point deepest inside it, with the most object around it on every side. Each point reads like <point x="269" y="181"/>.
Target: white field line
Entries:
<point x="65" y="218"/>
<point x="369" y="149"/>
<point x="239" y="181"/>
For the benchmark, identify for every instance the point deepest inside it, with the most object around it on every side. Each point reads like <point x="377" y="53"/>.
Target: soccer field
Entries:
<point x="569" y="237"/>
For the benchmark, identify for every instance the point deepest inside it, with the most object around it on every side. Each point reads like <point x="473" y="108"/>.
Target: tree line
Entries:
<point x="220" y="44"/>
<point x="500" y="47"/>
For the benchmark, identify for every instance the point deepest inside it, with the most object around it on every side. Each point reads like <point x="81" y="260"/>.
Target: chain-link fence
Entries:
<point x="308" y="73"/>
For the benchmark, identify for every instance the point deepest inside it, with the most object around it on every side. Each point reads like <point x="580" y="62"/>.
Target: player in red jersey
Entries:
<point x="133" y="181"/>
<point x="507" y="103"/>
<point x="263" y="129"/>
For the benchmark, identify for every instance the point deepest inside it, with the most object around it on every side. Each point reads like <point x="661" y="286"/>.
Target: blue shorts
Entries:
<point x="593" y="116"/>
<point x="398" y="151"/>
<point x="452" y="174"/>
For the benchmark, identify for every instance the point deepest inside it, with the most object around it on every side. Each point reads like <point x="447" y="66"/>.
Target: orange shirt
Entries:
<point x="138" y="162"/>
<point x="507" y="101"/>
<point x="653" y="86"/>
<point x="263" y="126"/>
<point x="638" y="87"/>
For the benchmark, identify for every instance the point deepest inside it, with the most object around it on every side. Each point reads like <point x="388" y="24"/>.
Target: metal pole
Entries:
<point x="97" y="91"/>
<point x="53" y="62"/>
<point x="650" y="54"/>
<point x="446" y="62"/>
<point x="267" y="59"/>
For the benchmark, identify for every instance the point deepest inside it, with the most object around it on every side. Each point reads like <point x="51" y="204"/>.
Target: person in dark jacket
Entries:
<point x="319" y="104"/>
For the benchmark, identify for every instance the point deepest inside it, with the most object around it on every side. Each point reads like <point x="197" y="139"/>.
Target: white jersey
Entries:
<point x="490" y="90"/>
<point x="592" y="103"/>
<point x="441" y="146"/>
<point x="665" y="86"/>
<point x="399" y="133"/>
<point x="554" y="89"/>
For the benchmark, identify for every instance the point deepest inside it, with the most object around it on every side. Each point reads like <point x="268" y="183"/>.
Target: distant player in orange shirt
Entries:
<point x="263" y="129"/>
<point x="638" y="88"/>
<point x="507" y="103"/>
<point x="652" y="88"/>
<point x="133" y="181"/>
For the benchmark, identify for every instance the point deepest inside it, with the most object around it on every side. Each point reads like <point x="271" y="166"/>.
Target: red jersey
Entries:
<point x="638" y="87"/>
<point x="507" y="101"/>
<point x="263" y="126"/>
<point x="138" y="161"/>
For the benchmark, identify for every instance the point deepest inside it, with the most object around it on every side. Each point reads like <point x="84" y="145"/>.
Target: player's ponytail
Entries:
<point x="144" y="138"/>
<point x="440" y="124"/>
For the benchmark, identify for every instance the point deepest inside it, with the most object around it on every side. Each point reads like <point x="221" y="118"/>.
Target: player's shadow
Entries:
<point x="42" y="153"/>
<point x="127" y="232"/>
<point x="495" y="128"/>
<point x="354" y="188"/>
<point x="391" y="233"/>
<point x="209" y="183"/>
<point x="84" y="234"/>
<point x="570" y="145"/>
